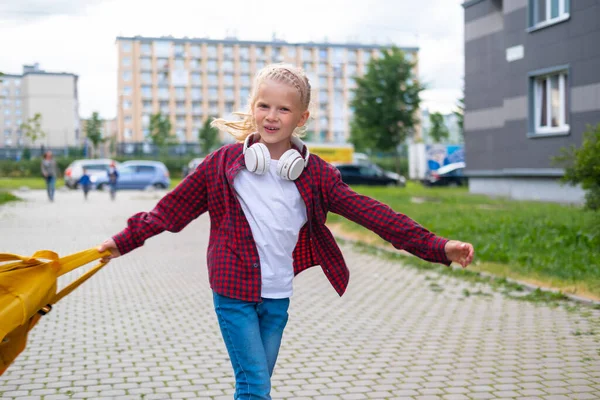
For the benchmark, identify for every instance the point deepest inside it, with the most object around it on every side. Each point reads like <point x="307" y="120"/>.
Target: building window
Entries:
<point x="260" y="52"/>
<point x="196" y="93"/>
<point x="146" y="63"/>
<point x="128" y="119"/>
<point x="146" y="48"/>
<point x="195" y="63"/>
<point x="126" y="47"/>
<point x="244" y="53"/>
<point x="7" y="111"/>
<point x="323" y="54"/>
<point x="244" y="66"/>
<point x="227" y="66"/>
<point x="228" y="80"/>
<point x="127" y="104"/>
<point x="245" y="80"/>
<point x="146" y="77"/>
<point x="126" y="61"/>
<point x="196" y="51"/>
<point x="162" y="48"/>
<point x="196" y="78"/>
<point x="17" y="103"/>
<point x="291" y="52"/>
<point x="212" y="65"/>
<point x="227" y="52"/>
<point x="179" y="64"/>
<point x="213" y="79"/>
<point x="550" y="103"/>
<point x="307" y="55"/>
<point x="212" y="51"/>
<point x="179" y="50"/>
<point x="127" y="76"/>
<point x="547" y="12"/>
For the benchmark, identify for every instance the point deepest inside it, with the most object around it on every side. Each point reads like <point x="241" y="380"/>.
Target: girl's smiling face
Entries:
<point x="278" y="110"/>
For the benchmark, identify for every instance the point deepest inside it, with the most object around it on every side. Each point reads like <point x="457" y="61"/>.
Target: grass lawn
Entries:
<point x="5" y="197"/>
<point x="541" y="243"/>
<point x="32" y="183"/>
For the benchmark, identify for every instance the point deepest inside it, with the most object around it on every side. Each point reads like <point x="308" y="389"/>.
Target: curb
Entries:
<point x="527" y="286"/>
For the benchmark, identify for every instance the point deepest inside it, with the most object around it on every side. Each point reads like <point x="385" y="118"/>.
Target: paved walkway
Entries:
<point x="144" y="327"/>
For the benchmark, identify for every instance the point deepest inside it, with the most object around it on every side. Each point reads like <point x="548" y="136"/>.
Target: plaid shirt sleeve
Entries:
<point x="398" y="229"/>
<point x="172" y="213"/>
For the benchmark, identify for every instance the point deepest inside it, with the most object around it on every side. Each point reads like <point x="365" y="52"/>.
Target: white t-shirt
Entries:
<point x="276" y="213"/>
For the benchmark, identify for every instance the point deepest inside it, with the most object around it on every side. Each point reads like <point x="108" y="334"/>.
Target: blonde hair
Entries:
<point x="284" y="73"/>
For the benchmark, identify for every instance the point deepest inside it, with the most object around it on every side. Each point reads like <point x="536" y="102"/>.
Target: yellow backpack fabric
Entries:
<point x="28" y="290"/>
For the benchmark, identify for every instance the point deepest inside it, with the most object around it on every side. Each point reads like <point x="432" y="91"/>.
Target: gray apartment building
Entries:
<point x="51" y="94"/>
<point x="532" y="84"/>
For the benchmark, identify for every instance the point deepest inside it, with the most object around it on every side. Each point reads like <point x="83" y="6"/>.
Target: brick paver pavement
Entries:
<point x="144" y="327"/>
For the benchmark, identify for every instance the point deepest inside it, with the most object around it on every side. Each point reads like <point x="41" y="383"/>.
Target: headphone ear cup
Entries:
<point x="290" y="165"/>
<point x="257" y="158"/>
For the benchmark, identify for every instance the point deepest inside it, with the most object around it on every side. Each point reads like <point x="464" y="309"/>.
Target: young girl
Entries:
<point x="268" y="199"/>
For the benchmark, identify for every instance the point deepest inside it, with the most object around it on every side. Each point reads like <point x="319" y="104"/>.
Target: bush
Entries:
<point x="31" y="168"/>
<point x="583" y="166"/>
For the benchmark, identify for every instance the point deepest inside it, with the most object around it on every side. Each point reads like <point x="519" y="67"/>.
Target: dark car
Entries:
<point x="448" y="175"/>
<point x="359" y="174"/>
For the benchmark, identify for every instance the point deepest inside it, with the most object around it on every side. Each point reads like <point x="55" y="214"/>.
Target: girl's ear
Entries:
<point x="304" y="118"/>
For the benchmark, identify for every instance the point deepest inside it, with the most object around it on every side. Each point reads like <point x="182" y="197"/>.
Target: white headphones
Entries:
<point x="289" y="167"/>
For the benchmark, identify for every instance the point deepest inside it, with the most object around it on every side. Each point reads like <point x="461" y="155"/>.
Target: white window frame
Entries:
<point x="563" y="15"/>
<point x="562" y="127"/>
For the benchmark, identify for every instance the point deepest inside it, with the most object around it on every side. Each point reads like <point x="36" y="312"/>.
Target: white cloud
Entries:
<point x="79" y="36"/>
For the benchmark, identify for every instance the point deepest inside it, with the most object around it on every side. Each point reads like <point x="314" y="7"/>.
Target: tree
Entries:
<point x="438" y="130"/>
<point x="160" y="130"/>
<point x="460" y="116"/>
<point x="32" y="128"/>
<point x="386" y="104"/>
<point x="208" y="137"/>
<point x="93" y="131"/>
<point x="582" y="166"/>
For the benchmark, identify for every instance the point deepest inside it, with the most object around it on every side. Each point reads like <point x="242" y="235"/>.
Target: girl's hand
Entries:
<point x="111" y="246"/>
<point x="459" y="252"/>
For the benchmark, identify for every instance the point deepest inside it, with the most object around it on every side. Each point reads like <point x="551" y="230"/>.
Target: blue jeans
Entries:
<point x="50" y="184"/>
<point x="252" y="333"/>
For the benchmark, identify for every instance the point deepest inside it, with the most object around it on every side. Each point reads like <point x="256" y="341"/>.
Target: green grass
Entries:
<point x="31" y="183"/>
<point x="5" y="197"/>
<point x="544" y="243"/>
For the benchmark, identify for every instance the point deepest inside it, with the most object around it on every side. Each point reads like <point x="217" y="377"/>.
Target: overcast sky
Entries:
<point x="78" y="36"/>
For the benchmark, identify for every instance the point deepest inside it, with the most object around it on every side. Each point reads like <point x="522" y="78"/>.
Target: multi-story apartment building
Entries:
<point x="194" y="79"/>
<point x="51" y="94"/>
<point x="532" y="84"/>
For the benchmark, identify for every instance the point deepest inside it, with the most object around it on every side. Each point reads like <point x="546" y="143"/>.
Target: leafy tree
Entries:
<point x="582" y="166"/>
<point x="160" y="130"/>
<point x="438" y="130"/>
<point x="386" y="103"/>
<point x="460" y="115"/>
<point x="93" y="131"/>
<point x="32" y="128"/>
<point x="208" y="137"/>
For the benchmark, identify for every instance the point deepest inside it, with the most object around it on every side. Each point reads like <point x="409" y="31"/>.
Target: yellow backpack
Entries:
<point x="28" y="290"/>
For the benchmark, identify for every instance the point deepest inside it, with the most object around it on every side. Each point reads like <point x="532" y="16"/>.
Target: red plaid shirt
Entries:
<point x="232" y="257"/>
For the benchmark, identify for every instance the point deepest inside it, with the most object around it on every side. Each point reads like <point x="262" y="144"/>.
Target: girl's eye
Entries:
<point x="263" y="106"/>
<point x="285" y="109"/>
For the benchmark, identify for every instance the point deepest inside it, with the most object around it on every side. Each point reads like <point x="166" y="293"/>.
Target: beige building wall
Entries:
<point x="54" y="97"/>
<point x="194" y="79"/>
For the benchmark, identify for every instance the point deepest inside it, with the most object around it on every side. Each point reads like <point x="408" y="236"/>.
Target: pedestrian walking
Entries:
<point x="268" y="199"/>
<point x="49" y="172"/>
<point x="113" y="176"/>
<point x="86" y="183"/>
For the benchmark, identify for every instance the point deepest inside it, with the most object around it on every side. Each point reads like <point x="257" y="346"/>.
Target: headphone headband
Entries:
<point x="295" y="140"/>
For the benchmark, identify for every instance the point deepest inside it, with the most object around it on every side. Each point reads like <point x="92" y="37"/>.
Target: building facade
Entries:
<point x="53" y="95"/>
<point x="532" y="84"/>
<point x="194" y="79"/>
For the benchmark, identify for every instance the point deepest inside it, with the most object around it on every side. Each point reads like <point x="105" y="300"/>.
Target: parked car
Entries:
<point x="448" y="175"/>
<point x="358" y="174"/>
<point x="95" y="168"/>
<point x="192" y="165"/>
<point x="139" y="175"/>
